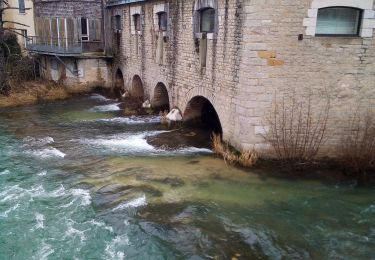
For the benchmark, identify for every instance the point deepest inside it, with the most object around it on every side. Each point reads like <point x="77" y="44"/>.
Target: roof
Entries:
<point x="122" y="2"/>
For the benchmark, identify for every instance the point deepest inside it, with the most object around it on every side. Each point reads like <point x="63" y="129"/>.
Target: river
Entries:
<point x="80" y="181"/>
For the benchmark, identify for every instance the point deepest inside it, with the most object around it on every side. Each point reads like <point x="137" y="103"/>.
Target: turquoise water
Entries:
<point x="79" y="181"/>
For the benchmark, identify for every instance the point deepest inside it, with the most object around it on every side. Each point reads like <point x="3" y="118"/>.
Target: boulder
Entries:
<point x="174" y="115"/>
<point x="146" y="104"/>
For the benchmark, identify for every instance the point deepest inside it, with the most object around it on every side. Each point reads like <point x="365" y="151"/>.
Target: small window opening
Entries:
<point x="137" y="22"/>
<point x="207" y="22"/>
<point x="338" y="21"/>
<point x="118" y="25"/>
<point x="163" y="21"/>
<point x="21" y="6"/>
<point x="84" y="29"/>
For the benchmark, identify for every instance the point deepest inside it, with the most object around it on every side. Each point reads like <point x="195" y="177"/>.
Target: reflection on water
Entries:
<point x="78" y="180"/>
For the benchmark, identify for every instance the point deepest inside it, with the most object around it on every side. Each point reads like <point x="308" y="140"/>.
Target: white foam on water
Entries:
<point x="134" y="120"/>
<point x="5" y="213"/>
<point x="43" y="173"/>
<point x="6" y="172"/>
<point x="101" y="224"/>
<point x="99" y="97"/>
<point x="39" y="221"/>
<point x="106" y="108"/>
<point x="124" y="142"/>
<point x="135" y="203"/>
<point x="193" y="150"/>
<point x="44" y="251"/>
<point x="112" y="250"/>
<point x="61" y="191"/>
<point x="84" y="195"/>
<point x="72" y="232"/>
<point x="47" y="153"/>
<point x="38" y="141"/>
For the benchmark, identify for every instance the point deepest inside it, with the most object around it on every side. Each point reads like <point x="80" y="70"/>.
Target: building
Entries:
<point x="23" y="14"/>
<point x="69" y="41"/>
<point x="225" y="62"/>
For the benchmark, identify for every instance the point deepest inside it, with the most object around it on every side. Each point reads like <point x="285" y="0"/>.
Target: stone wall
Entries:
<point x="259" y="50"/>
<point x="275" y="62"/>
<point x="91" y="72"/>
<point x="73" y="8"/>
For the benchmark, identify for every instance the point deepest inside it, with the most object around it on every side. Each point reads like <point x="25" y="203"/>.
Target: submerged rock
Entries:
<point x="146" y="104"/>
<point x="173" y="182"/>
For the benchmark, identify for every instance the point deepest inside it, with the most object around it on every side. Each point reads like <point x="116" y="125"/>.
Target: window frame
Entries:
<point x="137" y="23"/>
<point x="117" y="22"/>
<point x="358" y="32"/>
<point x="160" y="15"/>
<point x="201" y="13"/>
<point x="87" y="35"/>
<point x="21" y="7"/>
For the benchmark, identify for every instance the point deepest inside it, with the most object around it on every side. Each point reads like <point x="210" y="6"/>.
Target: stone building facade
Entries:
<point x="69" y="42"/>
<point x="231" y="60"/>
<point x="255" y="52"/>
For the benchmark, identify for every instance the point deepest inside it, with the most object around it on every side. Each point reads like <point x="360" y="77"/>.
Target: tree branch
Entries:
<point x="16" y="23"/>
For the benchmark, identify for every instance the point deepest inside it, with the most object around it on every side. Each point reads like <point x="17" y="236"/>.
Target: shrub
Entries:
<point x="297" y="132"/>
<point x="357" y="149"/>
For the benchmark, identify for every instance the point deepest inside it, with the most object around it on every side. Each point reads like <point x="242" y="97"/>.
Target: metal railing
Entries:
<point x="54" y="45"/>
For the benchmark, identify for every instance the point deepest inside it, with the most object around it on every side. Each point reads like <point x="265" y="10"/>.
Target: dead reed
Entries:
<point x="230" y="155"/>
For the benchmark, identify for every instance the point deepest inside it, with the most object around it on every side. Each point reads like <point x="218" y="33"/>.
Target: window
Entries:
<point x="21" y="6"/>
<point x="207" y="21"/>
<point x="24" y="36"/>
<point x="163" y="21"/>
<point x="117" y="25"/>
<point x="338" y="21"/>
<point x="84" y="29"/>
<point x="137" y="22"/>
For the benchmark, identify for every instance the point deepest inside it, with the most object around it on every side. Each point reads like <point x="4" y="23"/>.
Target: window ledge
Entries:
<point x="210" y="36"/>
<point x="338" y="36"/>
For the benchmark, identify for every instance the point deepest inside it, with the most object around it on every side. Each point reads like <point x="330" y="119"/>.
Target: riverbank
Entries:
<point x="40" y="91"/>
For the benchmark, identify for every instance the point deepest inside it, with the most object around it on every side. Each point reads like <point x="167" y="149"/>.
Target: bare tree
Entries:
<point x="297" y="131"/>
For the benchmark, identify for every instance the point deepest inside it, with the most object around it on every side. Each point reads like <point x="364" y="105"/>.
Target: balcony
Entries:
<point x="60" y="46"/>
<point x="63" y="46"/>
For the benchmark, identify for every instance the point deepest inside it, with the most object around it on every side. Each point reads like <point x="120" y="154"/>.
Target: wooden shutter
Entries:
<point x="98" y="30"/>
<point x="92" y="31"/>
<point x="54" y="34"/>
<point x="62" y="33"/>
<point x="47" y="30"/>
<point x="79" y="29"/>
<point x="70" y="30"/>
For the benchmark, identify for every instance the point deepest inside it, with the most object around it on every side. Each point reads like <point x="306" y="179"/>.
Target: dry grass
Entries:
<point x="33" y="92"/>
<point x="297" y="132"/>
<point x="357" y="149"/>
<point x="232" y="157"/>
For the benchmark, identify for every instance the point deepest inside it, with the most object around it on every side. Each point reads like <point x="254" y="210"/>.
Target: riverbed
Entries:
<point x="78" y="180"/>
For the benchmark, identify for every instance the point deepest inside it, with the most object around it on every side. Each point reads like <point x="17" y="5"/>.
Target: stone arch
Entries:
<point x="137" y="89"/>
<point x="200" y="111"/>
<point x="160" y="100"/>
<point x="119" y="83"/>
